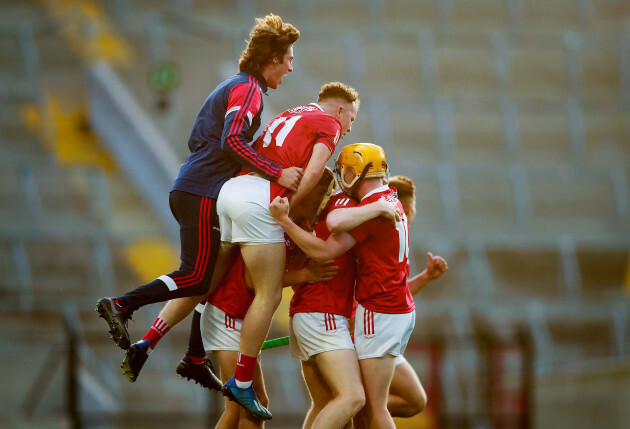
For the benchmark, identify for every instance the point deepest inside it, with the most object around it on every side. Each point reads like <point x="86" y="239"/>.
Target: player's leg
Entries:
<point x="195" y="365"/>
<point x="234" y="415"/>
<point x="200" y="241"/>
<point x="340" y="370"/>
<point x="265" y="264"/>
<point x="318" y="390"/>
<point x="221" y="334"/>
<point x="377" y="374"/>
<point x="406" y="394"/>
<point x="248" y="420"/>
<point x="175" y="311"/>
<point x="243" y="205"/>
<point x="379" y="337"/>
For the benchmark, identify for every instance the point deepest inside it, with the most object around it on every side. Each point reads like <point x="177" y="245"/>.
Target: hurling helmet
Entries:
<point x="366" y="160"/>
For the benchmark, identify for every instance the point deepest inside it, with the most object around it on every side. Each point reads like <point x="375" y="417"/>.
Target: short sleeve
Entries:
<point x="329" y="133"/>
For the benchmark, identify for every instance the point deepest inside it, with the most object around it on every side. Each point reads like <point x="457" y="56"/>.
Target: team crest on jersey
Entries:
<point x="391" y="198"/>
<point x="300" y="109"/>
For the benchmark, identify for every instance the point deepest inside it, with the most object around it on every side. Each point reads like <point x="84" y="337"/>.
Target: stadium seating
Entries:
<point x="511" y="117"/>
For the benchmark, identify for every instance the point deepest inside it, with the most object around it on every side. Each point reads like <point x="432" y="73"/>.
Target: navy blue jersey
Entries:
<point x="220" y="141"/>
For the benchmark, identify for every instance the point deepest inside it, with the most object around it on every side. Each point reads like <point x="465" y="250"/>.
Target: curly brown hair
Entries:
<point x="404" y="186"/>
<point x="269" y="38"/>
<point x="339" y="90"/>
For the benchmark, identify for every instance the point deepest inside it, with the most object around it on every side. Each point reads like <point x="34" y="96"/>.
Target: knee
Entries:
<point x="277" y="298"/>
<point x="354" y="400"/>
<point x="415" y="404"/>
<point x="271" y="297"/>
<point x="358" y="403"/>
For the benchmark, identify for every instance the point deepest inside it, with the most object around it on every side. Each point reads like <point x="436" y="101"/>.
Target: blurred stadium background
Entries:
<point x="512" y="117"/>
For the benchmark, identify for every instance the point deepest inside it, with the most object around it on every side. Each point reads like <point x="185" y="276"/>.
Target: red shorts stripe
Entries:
<point x="203" y="249"/>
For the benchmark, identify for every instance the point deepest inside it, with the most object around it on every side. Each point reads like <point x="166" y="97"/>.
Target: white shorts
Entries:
<point x="400" y="359"/>
<point x="219" y="330"/>
<point x="243" y="209"/>
<point x="380" y="334"/>
<point x="314" y="333"/>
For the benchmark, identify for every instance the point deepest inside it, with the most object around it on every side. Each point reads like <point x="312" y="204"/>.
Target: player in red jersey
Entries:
<point x="221" y="323"/>
<point x="320" y="335"/>
<point x="406" y="394"/>
<point x="304" y="137"/>
<point x="385" y="313"/>
<point x="227" y="306"/>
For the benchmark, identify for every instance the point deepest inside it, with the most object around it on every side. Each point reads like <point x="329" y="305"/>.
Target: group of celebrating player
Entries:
<point x="256" y="217"/>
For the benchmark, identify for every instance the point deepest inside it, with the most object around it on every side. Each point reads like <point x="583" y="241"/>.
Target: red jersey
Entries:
<point x="337" y="295"/>
<point x="289" y="139"/>
<point x="382" y="251"/>
<point x="232" y="295"/>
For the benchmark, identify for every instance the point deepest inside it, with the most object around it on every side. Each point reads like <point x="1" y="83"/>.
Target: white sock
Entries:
<point x="243" y="384"/>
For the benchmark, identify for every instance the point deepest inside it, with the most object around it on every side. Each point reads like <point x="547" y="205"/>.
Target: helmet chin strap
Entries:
<point x="355" y="189"/>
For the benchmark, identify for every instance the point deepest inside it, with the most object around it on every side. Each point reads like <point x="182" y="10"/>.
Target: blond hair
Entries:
<point x="404" y="186"/>
<point x="269" y="38"/>
<point x="339" y="90"/>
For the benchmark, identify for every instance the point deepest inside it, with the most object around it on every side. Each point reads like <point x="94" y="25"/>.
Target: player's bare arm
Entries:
<point x="342" y="220"/>
<point x="436" y="266"/>
<point x="313" y="173"/>
<point x="314" y="247"/>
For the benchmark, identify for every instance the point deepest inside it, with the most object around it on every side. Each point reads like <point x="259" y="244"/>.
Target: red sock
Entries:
<point x="196" y="359"/>
<point x="157" y="331"/>
<point x="245" y="368"/>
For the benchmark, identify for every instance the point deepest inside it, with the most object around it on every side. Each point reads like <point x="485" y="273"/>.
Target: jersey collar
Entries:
<point x="260" y="78"/>
<point x="316" y="105"/>
<point x="375" y="191"/>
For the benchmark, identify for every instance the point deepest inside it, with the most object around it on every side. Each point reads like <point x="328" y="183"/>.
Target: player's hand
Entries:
<point x="389" y="210"/>
<point x="290" y="178"/>
<point x="436" y="266"/>
<point x="316" y="272"/>
<point x="279" y="208"/>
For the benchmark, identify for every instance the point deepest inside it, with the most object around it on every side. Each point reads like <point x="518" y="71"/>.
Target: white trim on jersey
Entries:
<point x="169" y="282"/>
<point x="374" y="191"/>
<point x="233" y="109"/>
